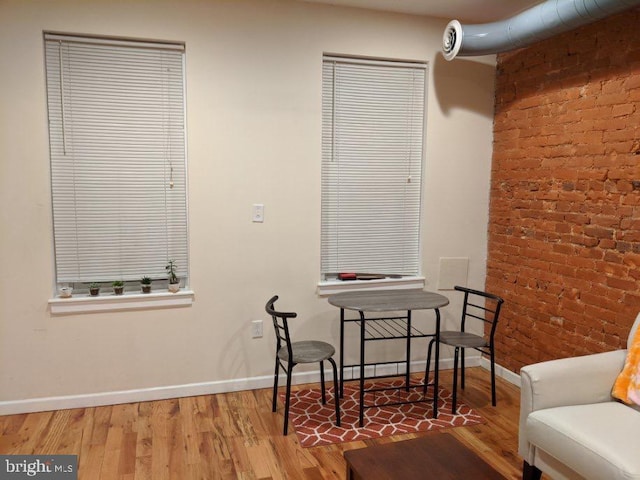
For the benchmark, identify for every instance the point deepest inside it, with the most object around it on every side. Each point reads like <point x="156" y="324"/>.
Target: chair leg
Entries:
<point x="529" y="472"/>
<point x="462" y="368"/>
<point x="426" y="372"/>
<point x="322" y="387"/>
<point x="275" y="386"/>
<point x="493" y="378"/>
<point x="287" y="399"/>
<point x="455" y="381"/>
<point x="336" y="391"/>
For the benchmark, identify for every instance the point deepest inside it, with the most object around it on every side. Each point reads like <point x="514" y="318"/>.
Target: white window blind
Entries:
<point x="118" y="160"/>
<point x="372" y="150"/>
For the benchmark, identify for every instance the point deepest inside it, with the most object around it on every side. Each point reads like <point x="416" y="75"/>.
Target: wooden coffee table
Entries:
<point x="437" y="456"/>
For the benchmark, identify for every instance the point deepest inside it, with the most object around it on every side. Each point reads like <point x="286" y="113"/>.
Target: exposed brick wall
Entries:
<point x="564" y="230"/>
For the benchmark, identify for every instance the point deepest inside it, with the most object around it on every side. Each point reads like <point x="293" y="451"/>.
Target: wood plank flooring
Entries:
<point x="232" y="436"/>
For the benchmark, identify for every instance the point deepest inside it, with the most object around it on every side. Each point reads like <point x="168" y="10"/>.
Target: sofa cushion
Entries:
<point x="597" y="441"/>
<point x="632" y="333"/>
<point x="627" y="385"/>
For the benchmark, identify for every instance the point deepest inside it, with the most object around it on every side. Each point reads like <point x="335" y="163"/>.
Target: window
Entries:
<point x="372" y="150"/>
<point x="118" y="158"/>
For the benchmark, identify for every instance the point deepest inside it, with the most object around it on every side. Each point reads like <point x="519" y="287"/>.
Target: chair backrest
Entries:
<point x="481" y="306"/>
<point x="280" y="325"/>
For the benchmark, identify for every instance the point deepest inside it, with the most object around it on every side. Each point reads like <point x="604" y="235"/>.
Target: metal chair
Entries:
<point x="481" y="306"/>
<point x="289" y="354"/>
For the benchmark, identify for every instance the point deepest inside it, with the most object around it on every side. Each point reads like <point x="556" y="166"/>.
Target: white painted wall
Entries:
<point x="254" y="126"/>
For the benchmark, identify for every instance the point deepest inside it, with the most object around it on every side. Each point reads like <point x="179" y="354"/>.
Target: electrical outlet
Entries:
<point x="256" y="329"/>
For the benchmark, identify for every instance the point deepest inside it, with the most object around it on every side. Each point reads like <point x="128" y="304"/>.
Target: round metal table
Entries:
<point x="388" y="327"/>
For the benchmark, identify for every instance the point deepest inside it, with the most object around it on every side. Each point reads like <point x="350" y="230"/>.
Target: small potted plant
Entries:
<point x="94" y="289"/>
<point x="145" y="283"/>
<point x="174" y="281"/>
<point x="65" y="292"/>
<point x="118" y="287"/>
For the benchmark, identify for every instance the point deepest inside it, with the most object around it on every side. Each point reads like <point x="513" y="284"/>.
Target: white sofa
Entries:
<point x="571" y="427"/>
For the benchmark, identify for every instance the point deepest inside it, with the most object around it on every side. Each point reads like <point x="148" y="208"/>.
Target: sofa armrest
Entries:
<point x="568" y="381"/>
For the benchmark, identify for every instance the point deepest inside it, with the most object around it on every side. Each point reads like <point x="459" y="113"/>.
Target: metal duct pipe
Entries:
<point x="537" y="23"/>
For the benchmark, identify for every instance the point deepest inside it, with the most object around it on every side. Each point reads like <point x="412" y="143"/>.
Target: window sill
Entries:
<point x="337" y="286"/>
<point x="128" y="301"/>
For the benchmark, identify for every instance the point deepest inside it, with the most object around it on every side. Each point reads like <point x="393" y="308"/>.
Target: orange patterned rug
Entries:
<point x="314" y="423"/>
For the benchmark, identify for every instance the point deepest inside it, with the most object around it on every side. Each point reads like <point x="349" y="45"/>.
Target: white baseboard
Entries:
<point x="501" y="372"/>
<point x="42" y="404"/>
<point x="132" y="396"/>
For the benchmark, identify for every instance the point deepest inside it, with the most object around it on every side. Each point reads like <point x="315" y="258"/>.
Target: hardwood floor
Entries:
<point x="232" y="436"/>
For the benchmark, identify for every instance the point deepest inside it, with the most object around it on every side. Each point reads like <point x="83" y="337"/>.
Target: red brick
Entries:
<point x="613" y="85"/>
<point x="622" y="284"/>
<point x="605" y="244"/>
<point x="605" y="220"/>
<point x="607" y="123"/>
<point x="634" y="95"/>
<point x="631" y="82"/>
<point x="632" y="300"/>
<point x="623" y="110"/>
<point x="622" y="135"/>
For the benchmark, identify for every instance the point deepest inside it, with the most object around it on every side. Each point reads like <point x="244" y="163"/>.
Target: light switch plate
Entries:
<point x="258" y="212"/>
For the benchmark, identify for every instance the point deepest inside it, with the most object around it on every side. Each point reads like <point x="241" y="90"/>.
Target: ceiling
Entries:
<point x="477" y="11"/>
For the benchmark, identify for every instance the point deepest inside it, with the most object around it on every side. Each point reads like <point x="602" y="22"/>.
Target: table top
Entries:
<point x="437" y="456"/>
<point x="388" y="300"/>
